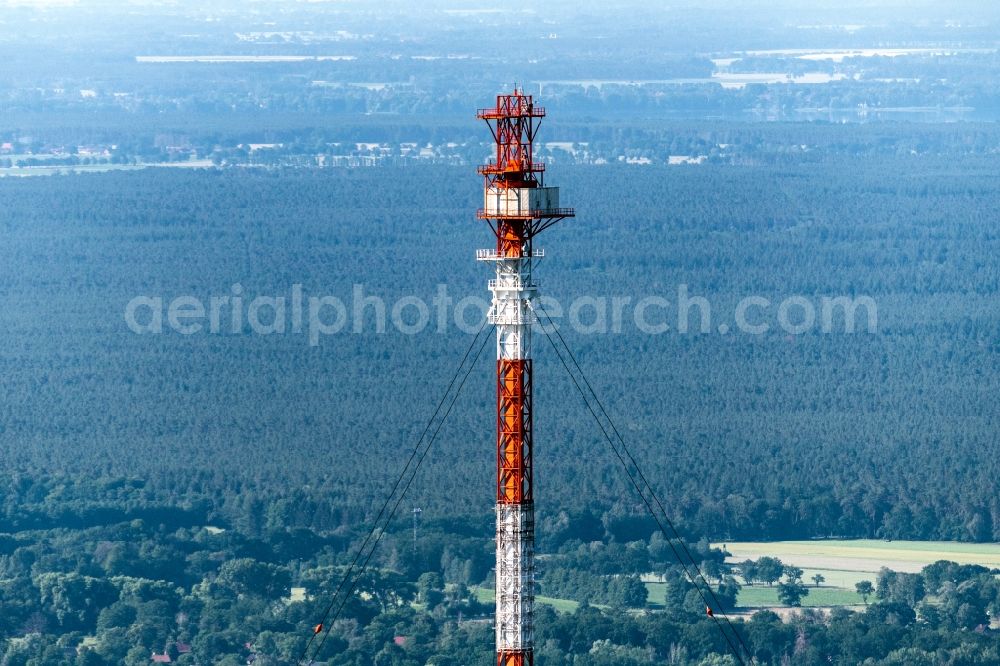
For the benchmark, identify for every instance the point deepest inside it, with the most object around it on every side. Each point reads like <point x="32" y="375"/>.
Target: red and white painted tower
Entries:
<point x="517" y="206"/>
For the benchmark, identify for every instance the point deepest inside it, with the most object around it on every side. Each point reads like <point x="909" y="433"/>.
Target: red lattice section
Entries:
<point x="515" y="658"/>
<point x="514" y="448"/>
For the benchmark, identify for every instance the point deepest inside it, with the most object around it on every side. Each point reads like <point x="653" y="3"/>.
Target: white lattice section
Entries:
<point x="515" y="590"/>
<point x="512" y="289"/>
<point x="494" y="255"/>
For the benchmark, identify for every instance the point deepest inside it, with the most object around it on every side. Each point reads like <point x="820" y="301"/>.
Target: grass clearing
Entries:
<point x="844" y="563"/>
<point x="485" y="595"/>
<point x="657" y="593"/>
<point x="867" y="555"/>
<point x="64" y="169"/>
<point x="837" y="577"/>
<point x="762" y="597"/>
<point x="54" y="170"/>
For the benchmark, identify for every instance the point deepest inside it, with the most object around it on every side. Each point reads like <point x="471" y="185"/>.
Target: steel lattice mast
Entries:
<point x="517" y="206"/>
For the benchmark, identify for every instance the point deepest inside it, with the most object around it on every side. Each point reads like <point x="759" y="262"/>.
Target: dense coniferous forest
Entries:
<point x="777" y="435"/>
<point x="166" y="492"/>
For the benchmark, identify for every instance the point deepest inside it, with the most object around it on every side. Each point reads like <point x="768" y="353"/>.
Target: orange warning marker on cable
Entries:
<point x="708" y="611"/>
<point x="318" y="629"/>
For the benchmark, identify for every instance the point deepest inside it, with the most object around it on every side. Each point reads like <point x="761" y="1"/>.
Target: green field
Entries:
<point x="843" y="563"/>
<point x="836" y="577"/>
<point x="867" y="555"/>
<point x="64" y="169"/>
<point x="485" y="595"/>
<point x="657" y="592"/>
<point x="55" y="169"/>
<point x="763" y="596"/>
